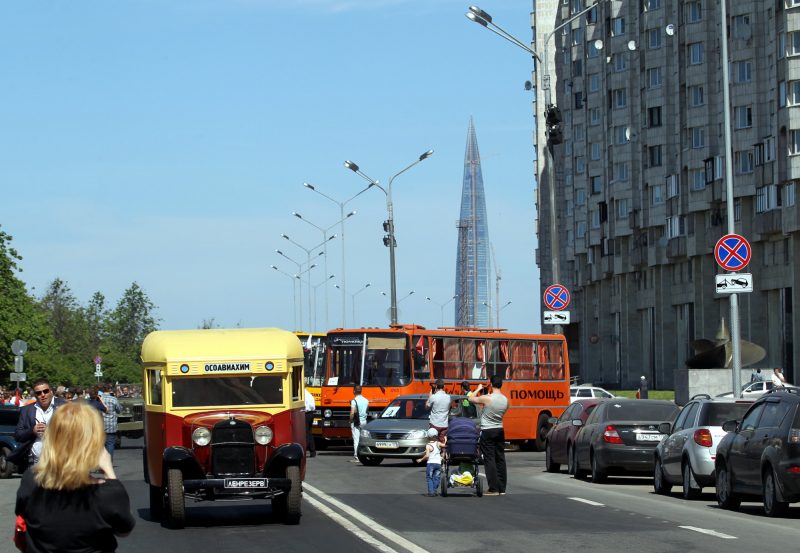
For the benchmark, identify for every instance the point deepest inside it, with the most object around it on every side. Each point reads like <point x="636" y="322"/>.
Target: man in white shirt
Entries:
<point x="310" y="408"/>
<point x="439" y="405"/>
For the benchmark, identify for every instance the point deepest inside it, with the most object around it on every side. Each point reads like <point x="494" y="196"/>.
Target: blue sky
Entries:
<point x="167" y="142"/>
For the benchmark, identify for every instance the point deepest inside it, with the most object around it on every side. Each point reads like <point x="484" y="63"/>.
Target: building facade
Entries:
<point x="640" y="178"/>
<point x="473" y="298"/>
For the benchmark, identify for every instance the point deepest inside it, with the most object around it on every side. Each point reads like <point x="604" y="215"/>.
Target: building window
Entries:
<point x="654" y="77"/>
<point x="696" y="53"/>
<point x="577" y="36"/>
<point x="580" y="165"/>
<point x="743" y="161"/>
<point x="657" y="194"/>
<point x="744" y="117"/>
<point x="591" y="16"/>
<point x="594" y="218"/>
<point x="793" y="98"/>
<point x="698" y="137"/>
<point x="789" y="192"/>
<point x="621" y="134"/>
<point x="650" y="5"/>
<point x="794" y="142"/>
<point x="620" y="171"/>
<point x="696" y="96"/>
<point x="622" y="209"/>
<point x="595" y="151"/>
<point x="694" y="12"/>
<point x="579" y="100"/>
<point x="654" y="156"/>
<point x="758" y="154"/>
<point x="767" y="198"/>
<point x="737" y="209"/>
<point x="741" y="26"/>
<point x="654" y="39"/>
<point x="596" y="185"/>
<point x="620" y="62"/>
<point x="592" y="51"/>
<point x="675" y="226"/>
<point x="781" y="45"/>
<point x="782" y="94"/>
<point x="580" y="229"/>
<point x="594" y="82"/>
<point x="620" y="98"/>
<point x="793" y="44"/>
<point x="673" y="186"/>
<point x="578" y="132"/>
<point x="743" y="71"/>
<point x="580" y="197"/>
<point x="594" y="116"/>
<point x="769" y="149"/>
<point x="617" y="26"/>
<point x="698" y="179"/>
<point x="654" y="116"/>
<point x="577" y="68"/>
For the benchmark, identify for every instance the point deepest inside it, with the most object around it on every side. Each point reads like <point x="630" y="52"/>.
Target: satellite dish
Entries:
<point x="670" y="30"/>
<point x="631" y="45"/>
<point x="598" y="44"/>
<point x="628" y="134"/>
<point x="528" y="85"/>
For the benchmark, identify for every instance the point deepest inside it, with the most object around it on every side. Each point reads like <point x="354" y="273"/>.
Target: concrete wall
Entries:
<point x="689" y="382"/>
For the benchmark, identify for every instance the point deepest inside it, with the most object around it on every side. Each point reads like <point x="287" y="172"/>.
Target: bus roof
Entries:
<point x="163" y="346"/>
<point x="471" y="332"/>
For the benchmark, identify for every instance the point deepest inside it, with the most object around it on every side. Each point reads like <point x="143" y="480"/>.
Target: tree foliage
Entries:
<point x="64" y="336"/>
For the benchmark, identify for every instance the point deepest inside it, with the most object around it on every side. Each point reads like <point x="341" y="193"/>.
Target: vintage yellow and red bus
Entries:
<point x="223" y="419"/>
<point x="407" y="359"/>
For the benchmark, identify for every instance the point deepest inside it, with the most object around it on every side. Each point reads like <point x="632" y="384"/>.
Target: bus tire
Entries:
<point x="294" y="497"/>
<point x="542" y="427"/>
<point x="176" y="502"/>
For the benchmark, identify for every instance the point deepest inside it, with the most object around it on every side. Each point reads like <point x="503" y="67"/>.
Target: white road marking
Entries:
<point x="347" y="525"/>
<point x="355" y="515"/>
<point x="709" y="532"/>
<point x="587" y="501"/>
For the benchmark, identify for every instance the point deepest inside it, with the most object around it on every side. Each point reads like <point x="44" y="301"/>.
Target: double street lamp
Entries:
<point x="388" y="226"/>
<point x="310" y="266"/>
<point x="294" y="294"/>
<point x="324" y="232"/>
<point x="353" y="300"/>
<point x="498" y="310"/>
<point x="441" y="305"/>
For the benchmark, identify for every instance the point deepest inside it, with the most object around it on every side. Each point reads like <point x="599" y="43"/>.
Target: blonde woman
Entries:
<point x="65" y="507"/>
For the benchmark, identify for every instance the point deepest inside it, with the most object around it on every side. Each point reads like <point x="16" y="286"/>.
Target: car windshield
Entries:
<point x="717" y="413"/>
<point x="640" y="411"/>
<point x="406" y="409"/>
<point x="227" y="390"/>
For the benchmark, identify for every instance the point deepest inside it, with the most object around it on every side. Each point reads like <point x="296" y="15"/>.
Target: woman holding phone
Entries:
<point x="65" y="507"/>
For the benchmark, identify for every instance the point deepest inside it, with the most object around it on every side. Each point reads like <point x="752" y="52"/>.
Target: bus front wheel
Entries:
<point x="176" y="502"/>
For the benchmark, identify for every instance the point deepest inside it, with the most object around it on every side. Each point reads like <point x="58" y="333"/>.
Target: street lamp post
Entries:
<point x="482" y="18"/>
<point x="389" y="240"/>
<point x="441" y="305"/>
<point x="315" y="286"/>
<point x="341" y="205"/>
<point x="308" y="254"/>
<point x="324" y="232"/>
<point x="498" y="309"/>
<point x="353" y="300"/>
<point x="294" y="294"/>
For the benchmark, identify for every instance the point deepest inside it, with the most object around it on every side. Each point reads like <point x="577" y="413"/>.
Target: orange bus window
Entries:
<point x="522" y="367"/>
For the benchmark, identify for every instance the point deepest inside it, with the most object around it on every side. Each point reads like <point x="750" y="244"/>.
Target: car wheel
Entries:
<point x="7" y="468"/>
<point x="660" y="483"/>
<point x="577" y="471"/>
<point x="549" y="465"/>
<point x="773" y="507"/>
<point x="176" y="502"/>
<point x="443" y="485"/>
<point x="478" y="487"/>
<point x="598" y="475"/>
<point x="542" y="428"/>
<point x="689" y="492"/>
<point x="570" y="460"/>
<point x="725" y="496"/>
<point x="156" y="502"/>
<point x="370" y="461"/>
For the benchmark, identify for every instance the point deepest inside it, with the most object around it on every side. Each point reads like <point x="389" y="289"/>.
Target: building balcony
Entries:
<point x="676" y="247"/>
<point x="768" y="222"/>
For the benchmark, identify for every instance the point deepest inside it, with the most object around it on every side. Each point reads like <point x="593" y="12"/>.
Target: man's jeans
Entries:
<point x="110" y="441"/>
<point x="433" y="475"/>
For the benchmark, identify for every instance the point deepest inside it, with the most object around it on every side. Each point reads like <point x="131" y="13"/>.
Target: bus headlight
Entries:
<point x="201" y="436"/>
<point x="327" y="413"/>
<point x="263" y="435"/>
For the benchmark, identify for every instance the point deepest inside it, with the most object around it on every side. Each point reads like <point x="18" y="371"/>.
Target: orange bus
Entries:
<point x="407" y="359"/>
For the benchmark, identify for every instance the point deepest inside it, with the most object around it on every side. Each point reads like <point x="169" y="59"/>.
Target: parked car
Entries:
<point x="130" y="422"/>
<point x="9" y="416"/>
<point x="754" y="390"/>
<point x="760" y="456"/>
<point x="686" y="456"/>
<point x="620" y="436"/>
<point x="560" y="440"/>
<point x="581" y="392"/>
<point x="400" y="431"/>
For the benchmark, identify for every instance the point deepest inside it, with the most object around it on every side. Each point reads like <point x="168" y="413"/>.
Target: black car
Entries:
<point x="760" y="457"/>
<point x="620" y="436"/>
<point x="9" y="416"/>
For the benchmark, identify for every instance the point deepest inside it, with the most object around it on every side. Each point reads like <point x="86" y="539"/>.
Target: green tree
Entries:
<point x="95" y="315"/>
<point x="66" y="319"/>
<point x="131" y="320"/>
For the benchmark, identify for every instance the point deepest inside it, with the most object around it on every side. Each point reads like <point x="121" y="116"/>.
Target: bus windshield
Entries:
<point x="227" y="390"/>
<point x="385" y="360"/>
<point x="314" y="363"/>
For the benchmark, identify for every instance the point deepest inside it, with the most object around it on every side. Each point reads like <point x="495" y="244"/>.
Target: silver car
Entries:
<point x="400" y="431"/>
<point x="686" y="456"/>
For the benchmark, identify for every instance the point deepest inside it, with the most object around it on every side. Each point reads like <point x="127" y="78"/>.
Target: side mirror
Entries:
<point x="552" y="420"/>
<point x="577" y="422"/>
<point x="665" y="428"/>
<point x="730" y="426"/>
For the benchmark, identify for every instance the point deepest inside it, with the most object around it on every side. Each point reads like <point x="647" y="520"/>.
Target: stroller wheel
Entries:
<point x="478" y="487"/>
<point x="444" y="484"/>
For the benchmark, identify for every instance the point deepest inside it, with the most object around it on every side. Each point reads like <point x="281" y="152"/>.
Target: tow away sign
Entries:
<point x="556" y="317"/>
<point x="735" y="283"/>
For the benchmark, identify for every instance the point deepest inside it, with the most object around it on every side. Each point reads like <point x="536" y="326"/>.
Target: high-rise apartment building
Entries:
<point x="473" y="299"/>
<point x="640" y="177"/>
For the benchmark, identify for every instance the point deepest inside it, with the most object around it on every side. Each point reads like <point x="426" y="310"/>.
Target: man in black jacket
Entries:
<point x="32" y="423"/>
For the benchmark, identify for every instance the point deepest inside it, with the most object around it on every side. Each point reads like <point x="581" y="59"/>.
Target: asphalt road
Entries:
<point x="349" y="507"/>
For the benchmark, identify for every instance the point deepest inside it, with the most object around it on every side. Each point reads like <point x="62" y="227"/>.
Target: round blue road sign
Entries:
<point x="556" y="297"/>
<point x="732" y="252"/>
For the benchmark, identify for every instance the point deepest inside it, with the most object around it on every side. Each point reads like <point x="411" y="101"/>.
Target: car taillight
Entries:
<point x="703" y="437"/>
<point x="611" y="435"/>
<point x="794" y="436"/>
<point x="793" y="470"/>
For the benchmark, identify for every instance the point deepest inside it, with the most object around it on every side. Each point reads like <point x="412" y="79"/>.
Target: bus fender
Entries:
<point x="183" y="458"/>
<point x="286" y="455"/>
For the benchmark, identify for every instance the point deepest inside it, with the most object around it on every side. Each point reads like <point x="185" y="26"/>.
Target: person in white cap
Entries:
<point x="433" y="453"/>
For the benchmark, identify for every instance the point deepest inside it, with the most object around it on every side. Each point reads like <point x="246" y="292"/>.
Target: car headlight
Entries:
<point x="365" y="433"/>
<point x="263" y="435"/>
<point x="201" y="436"/>
<point x="416" y="434"/>
<point x="327" y="413"/>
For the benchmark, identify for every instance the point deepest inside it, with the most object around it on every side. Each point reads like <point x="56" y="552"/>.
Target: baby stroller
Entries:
<point x="461" y="457"/>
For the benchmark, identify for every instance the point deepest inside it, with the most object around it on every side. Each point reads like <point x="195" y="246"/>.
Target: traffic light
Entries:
<point x="386" y="226"/>
<point x="552" y="118"/>
<point x="387" y="241"/>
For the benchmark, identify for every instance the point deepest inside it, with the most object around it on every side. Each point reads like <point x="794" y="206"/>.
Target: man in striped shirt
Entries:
<point x="110" y="416"/>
